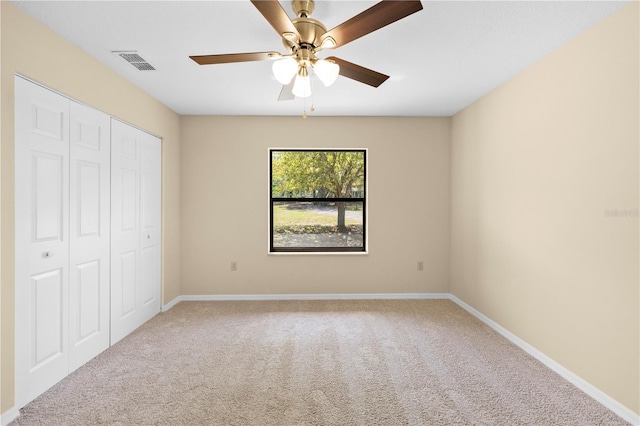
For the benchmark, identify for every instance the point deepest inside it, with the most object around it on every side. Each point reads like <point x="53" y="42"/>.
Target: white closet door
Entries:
<point x="150" y="226"/>
<point x="90" y="154"/>
<point x="41" y="239"/>
<point x="135" y="265"/>
<point x="87" y="234"/>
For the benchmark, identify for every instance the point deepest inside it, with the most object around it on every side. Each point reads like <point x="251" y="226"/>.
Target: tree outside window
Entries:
<point x="317" y="200"/>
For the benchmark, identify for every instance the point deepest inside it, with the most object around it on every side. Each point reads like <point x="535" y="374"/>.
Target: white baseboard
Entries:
<point x="171" y="304"/>
<point x="8" y="416"/>
<point x="322" y="296"/>
<point x="568" y="375"/>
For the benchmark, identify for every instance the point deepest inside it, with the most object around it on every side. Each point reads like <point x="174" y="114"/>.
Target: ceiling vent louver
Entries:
<point x="143" y="66"/>
<point x="136" y="60"/>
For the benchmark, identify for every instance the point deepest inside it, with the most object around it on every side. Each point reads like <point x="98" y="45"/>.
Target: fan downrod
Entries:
<point x="303" y="8"/>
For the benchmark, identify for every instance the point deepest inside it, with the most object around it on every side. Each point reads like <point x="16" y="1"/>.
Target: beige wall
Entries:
<point x="34" y="51"/>
<point x="536" y="165"/>
<point x="224" y="206"/>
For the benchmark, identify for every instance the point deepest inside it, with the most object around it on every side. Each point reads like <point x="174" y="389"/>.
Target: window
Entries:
<point x="317" y="200"/>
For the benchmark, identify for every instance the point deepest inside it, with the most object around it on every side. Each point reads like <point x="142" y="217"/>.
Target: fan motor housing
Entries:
<point x="310" y="31"/>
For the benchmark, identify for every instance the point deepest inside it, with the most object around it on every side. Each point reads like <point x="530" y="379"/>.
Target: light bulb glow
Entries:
<point x="302" y="83"/>
<point x="285" y="69"/>
<point x="327" y="71"/>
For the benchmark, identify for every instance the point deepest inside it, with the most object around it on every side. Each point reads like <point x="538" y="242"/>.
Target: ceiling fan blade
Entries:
<point x="235" y="57"/>
<point x="286" y="94"/>
<point x="372" y="19"/>
<point x="358" y="73"/>
<point x="278" y="18"/>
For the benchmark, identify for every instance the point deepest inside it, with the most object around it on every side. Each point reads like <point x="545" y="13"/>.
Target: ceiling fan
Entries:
<point x="303" y="37"/>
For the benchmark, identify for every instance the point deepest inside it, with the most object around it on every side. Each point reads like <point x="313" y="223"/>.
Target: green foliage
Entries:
<point x="316" y="173"/>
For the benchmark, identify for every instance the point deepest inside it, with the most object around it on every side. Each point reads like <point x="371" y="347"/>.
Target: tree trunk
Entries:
<point x="342" y="227"/>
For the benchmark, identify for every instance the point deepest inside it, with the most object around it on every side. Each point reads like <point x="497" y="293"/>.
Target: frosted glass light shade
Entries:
<point x="302" y="86"/>
<point x="327" y="71"/>
<point x="284" y="70"/>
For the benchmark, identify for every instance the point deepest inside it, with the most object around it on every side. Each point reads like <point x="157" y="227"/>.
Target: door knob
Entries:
<point x="148" y="236"/>
<point x="47" y="254"/>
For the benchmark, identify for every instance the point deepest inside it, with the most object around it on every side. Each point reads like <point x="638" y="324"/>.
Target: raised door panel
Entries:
<point x="149" y="276"/>
<point x="128" y="210"/>
<point x="48" y="212"/>
<point x="89" y="300"/>
<point x="47" y="327"/>
<point x="88" y="211"/>
<point x="129" y="279"/>
<point x="41" y="238"/>
<point x="90" y="236"/>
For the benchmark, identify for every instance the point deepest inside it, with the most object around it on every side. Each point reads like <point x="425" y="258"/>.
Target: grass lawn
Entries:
<point x="308" y="221"/>
<point x="283" y="216"/>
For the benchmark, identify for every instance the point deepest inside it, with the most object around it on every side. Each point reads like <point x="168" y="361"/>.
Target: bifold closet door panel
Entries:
<point x="150" y="226"/>
<point x="41" y="239"/>
<point x="135" y="228"/>
<point x="125" y="229"/>
<point x="90" y="236"/>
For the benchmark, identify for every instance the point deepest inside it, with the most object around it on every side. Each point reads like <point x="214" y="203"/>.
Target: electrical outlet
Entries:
<point x="234" y="266"/>
<point x="421" y="266"/>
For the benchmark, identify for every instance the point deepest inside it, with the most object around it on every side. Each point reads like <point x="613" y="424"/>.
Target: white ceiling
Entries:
<point x="440" y="59"/>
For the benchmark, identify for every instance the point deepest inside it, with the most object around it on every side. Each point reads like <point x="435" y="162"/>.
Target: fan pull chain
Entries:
<point x="313" y="108"/>
<point x="304" y="100"/>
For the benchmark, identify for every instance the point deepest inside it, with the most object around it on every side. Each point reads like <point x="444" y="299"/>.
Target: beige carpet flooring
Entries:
<point x="385" y="362"/>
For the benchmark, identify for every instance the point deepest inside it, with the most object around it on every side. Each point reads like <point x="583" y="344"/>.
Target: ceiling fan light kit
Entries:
<point x="327" y="71"/>
<point x="285" y="69"/>
<point x="302" y="83"/>
<point x="303" y="37"/>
